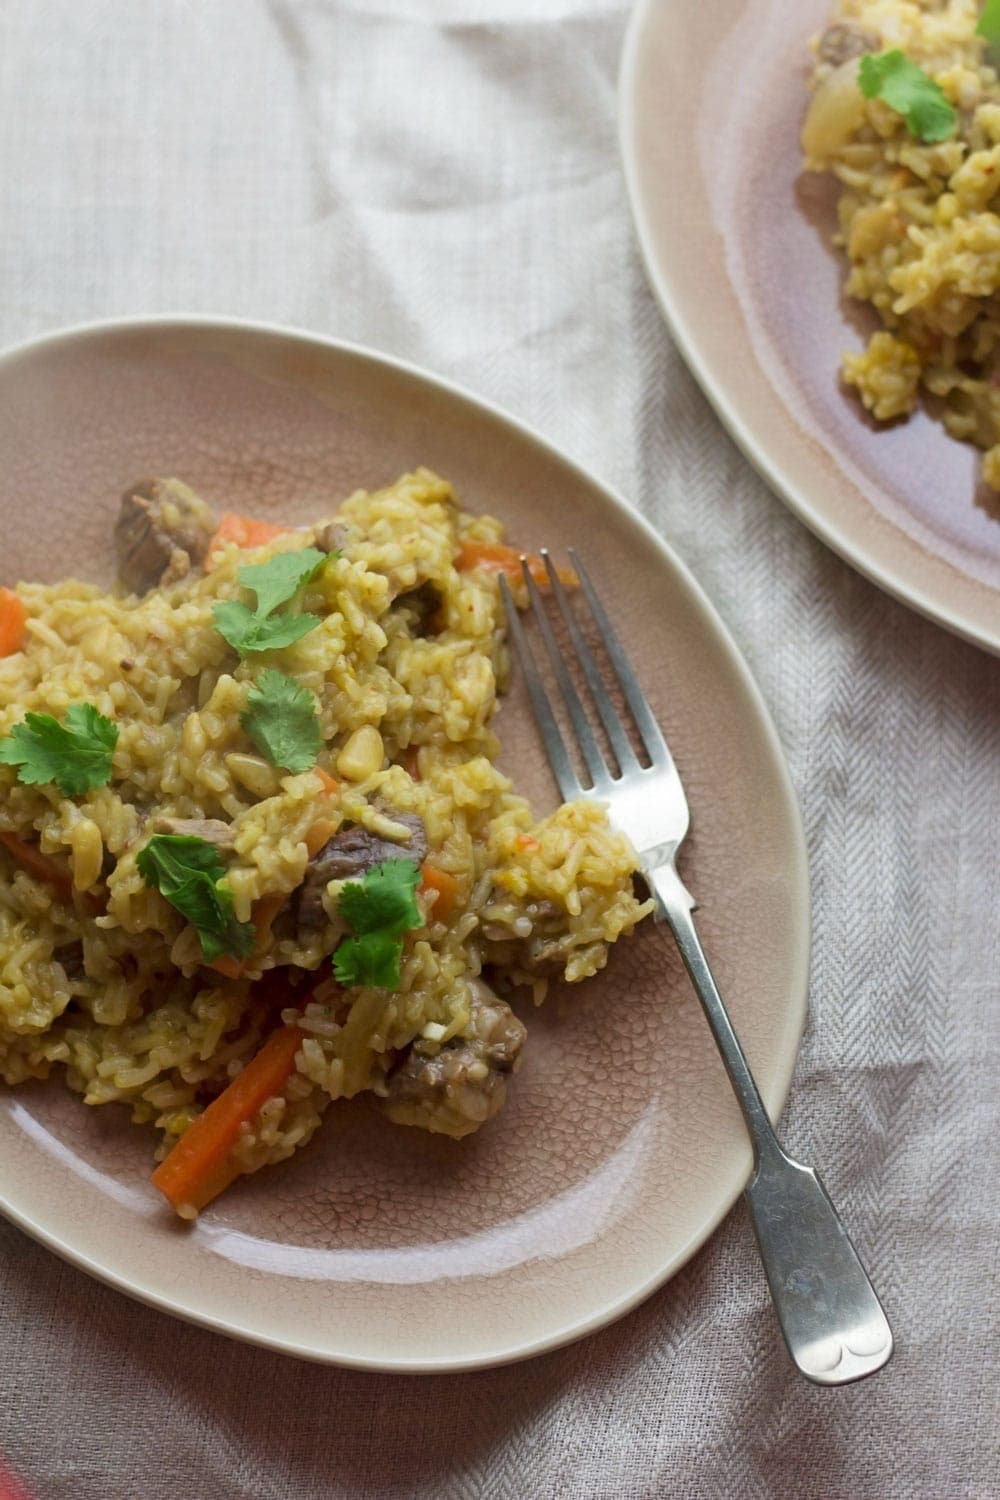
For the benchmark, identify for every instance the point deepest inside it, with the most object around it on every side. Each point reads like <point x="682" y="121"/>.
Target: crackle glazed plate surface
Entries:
<point x="620" y="1147"/>
<point x="736" y="240"/>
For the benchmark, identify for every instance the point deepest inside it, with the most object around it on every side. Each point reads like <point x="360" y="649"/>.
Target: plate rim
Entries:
<point x="894" y="582"/>
<point x="616" y="1308"/>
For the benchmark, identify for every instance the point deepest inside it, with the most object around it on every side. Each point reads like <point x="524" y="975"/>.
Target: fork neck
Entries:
<point x="675" y="904"/>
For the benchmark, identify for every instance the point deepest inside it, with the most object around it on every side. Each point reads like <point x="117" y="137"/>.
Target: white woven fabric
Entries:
<point x="440" y="179"/>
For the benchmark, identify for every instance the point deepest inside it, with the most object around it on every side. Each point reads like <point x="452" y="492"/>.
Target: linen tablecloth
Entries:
<point x="440" y="179"/>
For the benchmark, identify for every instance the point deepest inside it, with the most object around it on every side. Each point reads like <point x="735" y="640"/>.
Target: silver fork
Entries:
<point x="831" y="1319"/>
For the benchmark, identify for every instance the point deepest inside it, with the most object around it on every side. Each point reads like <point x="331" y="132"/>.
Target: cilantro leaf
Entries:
<point x="282" y="721"/>
<point x="235" y="622"/>
<point x="899" y="83"/>
<point x="174" y="857"/>
<point x="281" y="576"/>
<point x="248" y="632"/>
<point x="380" y="908"/>
<point x="989" y="22"/>
<point x="372" y="958"/>
<point x="281" y="630"/>
<point x="75" y="754"/>
<point x="274" y="582"/>
<point x="384" y="900"/>
<point x="187" y="872"/>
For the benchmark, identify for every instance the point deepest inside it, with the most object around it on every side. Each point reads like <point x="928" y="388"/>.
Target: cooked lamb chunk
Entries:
<point x="331" y="536"/>
<point x="424" y="604"/>
<point x="348" y="855"/>
<point x="464" y="1084"/>
<point x="162" y="532"/>
<point x="843" y="41"/>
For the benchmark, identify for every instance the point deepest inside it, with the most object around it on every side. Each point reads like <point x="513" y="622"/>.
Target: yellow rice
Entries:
<point x="108" y="988"/>
<point x="919" y="222"/>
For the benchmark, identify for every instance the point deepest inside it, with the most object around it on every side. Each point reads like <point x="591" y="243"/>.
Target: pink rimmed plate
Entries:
<point x="736" y="240"/>
<point x="621" y="1147"/>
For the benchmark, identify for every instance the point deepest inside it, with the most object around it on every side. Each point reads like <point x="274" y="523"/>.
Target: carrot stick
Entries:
<point x="264" y="912"/>
<point x="494" y="557"/>
<point x="444" y="883"/>
<point x="31" y="858"/>
<point x="244" y="531"/>
<point x="13" y="617"/>
<point x="320" y="833"/>
<point x="196" y="1170"/>
<point x="228" y="966"/>
<point x="324" y="828"/>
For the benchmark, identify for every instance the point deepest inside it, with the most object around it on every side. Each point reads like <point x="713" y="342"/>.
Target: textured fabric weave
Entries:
<point x="440" y="179"/>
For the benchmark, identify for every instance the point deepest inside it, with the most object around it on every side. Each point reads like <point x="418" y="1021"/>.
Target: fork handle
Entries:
<point x="674" y="904"/>
<point x="830" y="1316"/>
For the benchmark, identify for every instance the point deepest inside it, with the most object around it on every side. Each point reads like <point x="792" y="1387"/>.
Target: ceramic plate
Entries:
<point x="737" y="244"/>
<point x="621" y="1147"/>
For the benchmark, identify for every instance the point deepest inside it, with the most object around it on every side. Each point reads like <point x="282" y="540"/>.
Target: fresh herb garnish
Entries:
<point x="75" y="754"/>
<point x="187" y="871"/>
<point x="373" y="958"/>
<point x="248" y="631"/>
<point x="281" y="576"/>
<point x="384" y="900"/>
<point x="989" y="22"/>
<point x="380" y="908"/>
<point x="282" y="721"/>
<point x="274" y="582"/>
<point x="899" y="83"/>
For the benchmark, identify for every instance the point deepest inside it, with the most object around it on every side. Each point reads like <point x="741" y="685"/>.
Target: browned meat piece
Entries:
<point x="331" y="536"/>
<point x="70" y="955"/>
<point x="162" y="531"/>
<point x="533" y="917"/>
<point x="347" y="856"/>
<point x="845" y="40"/>
<point x="423" y="605"/>
<point x="546" y="957"/>
<point x="212" y="830"/>
<point x="535" y="939"/>
<point x="465" y="1084"/>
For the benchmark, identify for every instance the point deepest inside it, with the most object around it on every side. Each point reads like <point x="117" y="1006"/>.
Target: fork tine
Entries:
<point x="624" y="754"/>
<point x="586" y="738"/>
<point x="569" y="782"/>
<point x="649" y="730"/>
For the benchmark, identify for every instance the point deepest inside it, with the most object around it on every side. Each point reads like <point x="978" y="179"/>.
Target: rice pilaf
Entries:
<point x="102" y="977"/>
<point x="917" y="213"/>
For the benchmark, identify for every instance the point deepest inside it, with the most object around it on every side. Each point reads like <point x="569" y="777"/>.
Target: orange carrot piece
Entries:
<point x="31" y="858"/>
<point x="229" y="966"/>
<point x="264" y="912"/>
<point x="444" y="883"/>
<point x="494" y="557"/>
<point x="525" y="841"/>
<point x="322" y="830"/>
<point x="244" y="531"/>
<point x="215" y="1181"/>
<point x="13" y="618"/>
<point x="196" y="1170"/>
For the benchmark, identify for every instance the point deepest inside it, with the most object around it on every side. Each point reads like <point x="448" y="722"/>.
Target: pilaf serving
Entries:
<point x="255" y="851"/>
<point x="906" y="114"/>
